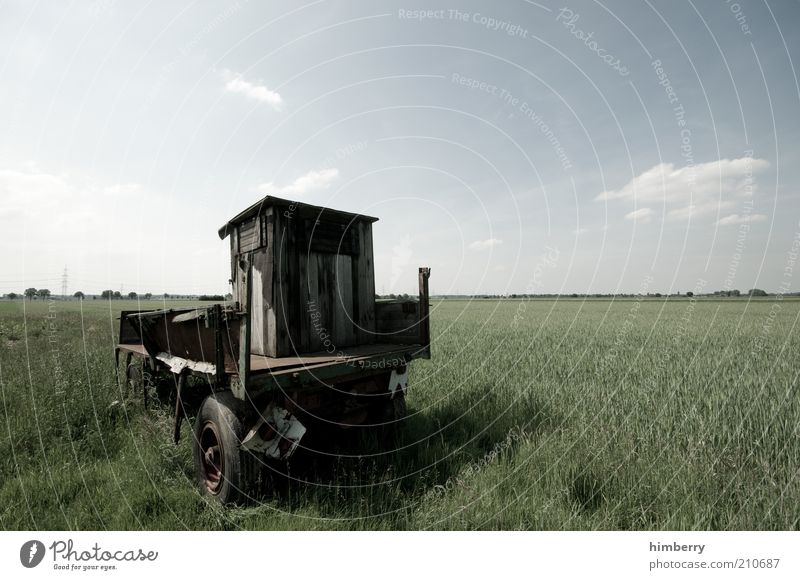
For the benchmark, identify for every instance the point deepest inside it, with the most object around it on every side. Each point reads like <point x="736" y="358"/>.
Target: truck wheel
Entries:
<point x="224" y="471"/>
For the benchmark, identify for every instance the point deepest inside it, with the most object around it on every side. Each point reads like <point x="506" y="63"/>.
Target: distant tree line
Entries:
<point x="754" y="292"/>
<point x="30" y="294"/>
<point x="43" y="293"/>
<point x="36" y="294"/>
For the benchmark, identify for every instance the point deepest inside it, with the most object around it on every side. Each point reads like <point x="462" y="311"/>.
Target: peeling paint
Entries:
<point x="276" y="434"/>
<point x="176" y="364"/>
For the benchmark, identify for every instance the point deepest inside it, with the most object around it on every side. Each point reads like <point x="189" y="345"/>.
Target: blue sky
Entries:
<point x="513" y="147"/>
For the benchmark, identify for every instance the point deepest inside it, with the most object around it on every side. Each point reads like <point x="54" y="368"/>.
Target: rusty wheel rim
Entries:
<point x="213" y="458"/>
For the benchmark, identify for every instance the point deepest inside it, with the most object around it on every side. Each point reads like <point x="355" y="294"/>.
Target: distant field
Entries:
<point x="539" y="414"/>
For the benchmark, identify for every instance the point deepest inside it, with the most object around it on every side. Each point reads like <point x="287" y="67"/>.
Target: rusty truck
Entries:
<point x="303" y="344"/>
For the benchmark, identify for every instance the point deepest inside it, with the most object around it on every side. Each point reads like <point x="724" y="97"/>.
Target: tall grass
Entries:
<point x="531" y="415"/>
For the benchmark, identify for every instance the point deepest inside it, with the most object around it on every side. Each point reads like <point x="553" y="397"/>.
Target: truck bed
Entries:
<point x="264" y="365"/>
<point x="352" y="355"/>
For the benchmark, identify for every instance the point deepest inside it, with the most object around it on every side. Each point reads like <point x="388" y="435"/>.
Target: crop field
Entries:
<point x="568" y="414"/>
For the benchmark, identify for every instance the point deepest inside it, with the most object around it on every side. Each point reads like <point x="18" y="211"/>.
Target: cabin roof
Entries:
<point x="295" y="206"/>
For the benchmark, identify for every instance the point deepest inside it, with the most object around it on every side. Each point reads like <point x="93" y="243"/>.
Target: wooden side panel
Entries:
<point x="343" y="323"/>
<point x="313" y="316"/>
<point x="298" y="329"/>
<point x="257" y="336"/>
<point x="333" y="237"/>
<point x="316" y="298"/>
<point x="270" y="323"/>
<point x="397" y="322"/>
<point x="328" y="315"/>
<point x="262" y="322"/>
<point x="323" y="297"/>
<point x="281" y="284"/>
<point x="364" y="288"/>
<point x="237" y="276"/>
<point x="234" y="237"/>
<point x="250" y="234"/>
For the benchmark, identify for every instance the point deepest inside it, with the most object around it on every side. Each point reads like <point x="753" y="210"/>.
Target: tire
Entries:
<point x="224" y="471"/>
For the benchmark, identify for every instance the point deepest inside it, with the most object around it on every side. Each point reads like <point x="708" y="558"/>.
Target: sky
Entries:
<point x="514" y="147"/>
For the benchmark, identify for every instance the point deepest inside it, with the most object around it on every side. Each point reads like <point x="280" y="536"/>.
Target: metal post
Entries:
<point x="424" y="312"/>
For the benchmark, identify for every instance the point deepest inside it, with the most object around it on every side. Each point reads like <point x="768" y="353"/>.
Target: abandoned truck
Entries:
<point x="304" y="344"/>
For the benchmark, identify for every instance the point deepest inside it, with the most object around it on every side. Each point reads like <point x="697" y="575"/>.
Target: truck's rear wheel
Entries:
<point x="224" y="470"/>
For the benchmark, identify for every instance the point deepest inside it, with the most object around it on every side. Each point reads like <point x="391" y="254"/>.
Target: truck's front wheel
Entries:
<point x="223" y="469"/>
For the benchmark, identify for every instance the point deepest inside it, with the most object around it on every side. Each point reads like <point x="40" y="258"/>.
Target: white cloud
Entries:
<point x="485" y="244"/>
<point x="735" y="219"/>
<point x="105" y="233"/>
<point x="124" y="190"/>
<point x="698" y="190"/>
<point x="643" y="215"/>
<point x="311" y="181"/>
<point x="253" y="91"/>
<point x="697" y="210"/>
<point x="61" y="204"/>
<point x="32" y="187"/>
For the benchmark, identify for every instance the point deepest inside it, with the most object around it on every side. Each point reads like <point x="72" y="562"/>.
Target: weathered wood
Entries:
<point x="324" y="297"/>
<point x="364" y="288"/>
<point x="299" y="288"/>
<point x="398" y="321"/>
<point x="312" y="315"/>
<point x="259" y="307"/>
<point x="245" y="329"/>
<point x="270" y="321"/>
<point x="334" y="237"/>
<point x="281" y="285"/>
<point x="313" y="278"/>
<point x="343" y="328"/>
<point x="234" y="253"/>
<point x="250" y="234"/>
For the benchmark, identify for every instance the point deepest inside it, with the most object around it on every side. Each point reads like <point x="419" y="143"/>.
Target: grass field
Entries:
<point x="531" y="415"/>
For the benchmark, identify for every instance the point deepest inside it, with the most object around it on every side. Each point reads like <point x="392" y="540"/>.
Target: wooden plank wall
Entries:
<point x="330" y="301"/>
<point x="284" y="300"/>
<point x="262" y="317"/>
<point x="365" y="270"/>
<point x="250" y="237"/>
<point x="330" y="288"/>
<point x="306" y="289"/>
<point x="398" y="322"/>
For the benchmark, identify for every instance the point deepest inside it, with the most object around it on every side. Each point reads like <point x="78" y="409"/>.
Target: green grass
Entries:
<point x="531" y="415"/>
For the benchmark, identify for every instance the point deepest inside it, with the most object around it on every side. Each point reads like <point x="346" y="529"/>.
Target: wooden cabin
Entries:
<point x="312" y="277"/>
